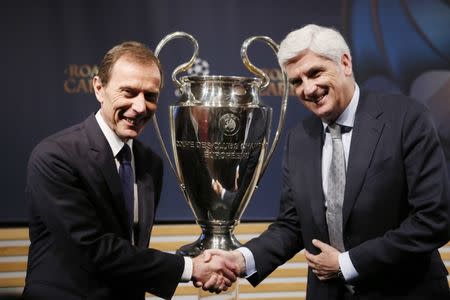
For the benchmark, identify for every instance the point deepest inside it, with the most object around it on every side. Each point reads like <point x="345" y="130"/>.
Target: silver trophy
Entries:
<point x="219" y="131"/>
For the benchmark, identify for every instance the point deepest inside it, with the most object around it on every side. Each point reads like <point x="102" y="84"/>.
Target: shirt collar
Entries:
<point x="347" y="118"/>
<point x="114" y="141"/>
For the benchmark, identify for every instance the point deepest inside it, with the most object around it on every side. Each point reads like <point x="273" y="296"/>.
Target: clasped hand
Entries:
<point x="325" y="264"/>
<point x="216" y="270"/>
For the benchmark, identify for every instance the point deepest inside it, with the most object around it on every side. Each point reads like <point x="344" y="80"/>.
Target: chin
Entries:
<point x="126" y="135"/>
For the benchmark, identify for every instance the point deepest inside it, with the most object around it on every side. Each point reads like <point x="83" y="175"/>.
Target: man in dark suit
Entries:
<point x="93" y="190"/>
<point x="374" y="231"/>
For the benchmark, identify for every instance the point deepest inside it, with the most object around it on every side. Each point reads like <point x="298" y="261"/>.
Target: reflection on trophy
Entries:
<point x="219" y="131"/>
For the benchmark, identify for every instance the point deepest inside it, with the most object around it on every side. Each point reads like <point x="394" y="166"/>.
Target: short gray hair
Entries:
<point x="323" y="41"/>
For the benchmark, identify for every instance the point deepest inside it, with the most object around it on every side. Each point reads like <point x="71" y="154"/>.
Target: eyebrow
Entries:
<point x="127" y="88"/>
<point x="309" y="73"/>
<point x="135" y="90"/>
<point x="314" y="70"/>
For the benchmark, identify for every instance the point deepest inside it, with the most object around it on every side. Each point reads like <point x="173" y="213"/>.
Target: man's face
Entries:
<point x="322" y="85"/>
<point x="129" y="99"/>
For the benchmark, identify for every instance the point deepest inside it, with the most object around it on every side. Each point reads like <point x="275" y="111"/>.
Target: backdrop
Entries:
<point x="51" y="49"/>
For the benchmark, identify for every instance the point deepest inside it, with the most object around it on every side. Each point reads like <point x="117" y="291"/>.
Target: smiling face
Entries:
<point x="129" y="99"/>
<point x="323" y="86"/>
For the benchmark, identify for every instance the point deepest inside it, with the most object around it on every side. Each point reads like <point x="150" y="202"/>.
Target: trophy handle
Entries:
<point x="265" y="82"/>
<point x="181" y="68"/>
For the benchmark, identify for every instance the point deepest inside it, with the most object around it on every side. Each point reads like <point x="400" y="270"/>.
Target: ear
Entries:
<point x="346" y="61"/>
<point x="98" y="88"/>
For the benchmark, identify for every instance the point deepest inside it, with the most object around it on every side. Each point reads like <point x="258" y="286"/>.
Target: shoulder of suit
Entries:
<point x="306" y="125"/>
<point x="390" y="99"/>
<point x="146" y="150"/>
<point x="393" y="105"/>
<point x="66" y="140"/>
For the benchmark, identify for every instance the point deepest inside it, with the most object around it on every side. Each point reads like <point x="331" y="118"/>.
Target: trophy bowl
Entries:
<point x="219" y="134"/>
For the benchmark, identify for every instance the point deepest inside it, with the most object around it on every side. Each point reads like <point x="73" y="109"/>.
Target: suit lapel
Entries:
<point x="102" y="158"/>
<point x="312" y="165"/>
<point x="366" y="134"/>
<point x="145" y="195"/>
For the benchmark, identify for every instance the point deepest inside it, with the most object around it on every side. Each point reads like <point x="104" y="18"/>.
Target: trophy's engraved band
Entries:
<point x="220" y="150"/>
<point x="226" y="155"/>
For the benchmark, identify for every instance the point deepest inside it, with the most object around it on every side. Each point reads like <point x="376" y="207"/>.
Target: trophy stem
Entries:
<point x="213" y="236"/>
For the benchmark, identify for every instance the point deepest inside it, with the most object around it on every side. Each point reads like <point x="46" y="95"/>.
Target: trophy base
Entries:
<point x="212" y="237"/>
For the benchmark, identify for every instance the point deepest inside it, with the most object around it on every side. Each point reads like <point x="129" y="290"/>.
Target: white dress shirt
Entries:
<point x="116" y="145"/>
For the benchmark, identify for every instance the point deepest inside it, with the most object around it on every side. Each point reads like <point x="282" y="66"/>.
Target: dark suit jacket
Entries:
<point x="80" y="247"/>
<point x="396" y="206"/>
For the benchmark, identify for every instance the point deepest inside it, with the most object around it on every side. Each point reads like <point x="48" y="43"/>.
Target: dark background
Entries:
<point x="50" y="50"/>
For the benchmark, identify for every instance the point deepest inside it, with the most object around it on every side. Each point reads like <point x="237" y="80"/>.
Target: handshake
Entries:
<point x="216" y="270"/>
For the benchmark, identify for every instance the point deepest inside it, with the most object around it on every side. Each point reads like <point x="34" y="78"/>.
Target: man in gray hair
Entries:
<point x="365" y="189"/>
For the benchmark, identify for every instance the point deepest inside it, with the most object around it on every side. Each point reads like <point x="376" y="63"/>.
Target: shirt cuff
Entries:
<point x="187" y="272"/>
<point x="348" y="270"/>
<point x="250" y="267"/>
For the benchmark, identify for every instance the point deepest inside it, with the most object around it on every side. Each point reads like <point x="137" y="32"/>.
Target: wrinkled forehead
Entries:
<point x="136" y="61"/>
<point x="305" y="61"/>
<point x="307" y="56"/>
<point x="128" y="68"/>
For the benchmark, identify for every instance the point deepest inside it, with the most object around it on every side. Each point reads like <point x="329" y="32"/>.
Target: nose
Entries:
<point x="309" y="89"/>
<point x="139" y="104"/>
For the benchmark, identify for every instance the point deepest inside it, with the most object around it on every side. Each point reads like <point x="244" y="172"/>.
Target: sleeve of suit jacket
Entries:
<point x="61" y="198"/>
<point x="282" y="240"/>
<point x="425" y="196"/>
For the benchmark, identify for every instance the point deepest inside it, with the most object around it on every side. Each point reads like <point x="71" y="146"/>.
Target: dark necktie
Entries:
<point x="126" y="178"/>
<point x="336" y="188"/>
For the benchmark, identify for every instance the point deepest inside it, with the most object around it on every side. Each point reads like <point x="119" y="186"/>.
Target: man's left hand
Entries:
<point x="325" y="264"/>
